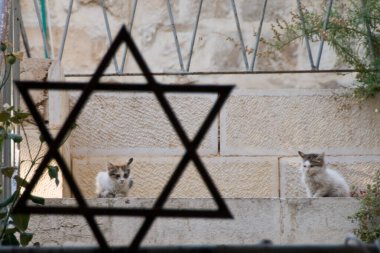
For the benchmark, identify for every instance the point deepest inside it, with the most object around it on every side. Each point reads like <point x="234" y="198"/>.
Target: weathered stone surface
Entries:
<point x="281" y="122"/>
<point x="357" y="170"/>
<point x="116" y="124"/>
<point x="235" y="177"/>
<point x="320" y="220"/>
<point x="317" y="221"/>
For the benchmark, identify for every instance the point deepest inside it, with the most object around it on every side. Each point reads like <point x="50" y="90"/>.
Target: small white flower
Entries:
<point x="6" y="106"/>
<point x="377" y="110"/>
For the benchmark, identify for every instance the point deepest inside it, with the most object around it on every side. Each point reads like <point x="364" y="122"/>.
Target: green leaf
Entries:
<point x="21" y="221"/>
<point x="8" y="200"/>
<point x="10" y="239"/>
<point x="3" y="215"/>
<point x="42" y="140"/>
<point x="8" y="171"/>
<point x="20" y="181"/>
<point x="37" y="200"/>
<point x="53" y="173"/>
<point x="25" y="238"/>
<point x="15" y="137"/>
<point x="10" y="230"/>
<point x="19" y="117"/>
<point x="4" y="116"/>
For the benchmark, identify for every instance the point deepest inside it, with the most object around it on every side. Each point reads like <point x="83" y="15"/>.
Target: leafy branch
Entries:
<point x="353" y="32"/>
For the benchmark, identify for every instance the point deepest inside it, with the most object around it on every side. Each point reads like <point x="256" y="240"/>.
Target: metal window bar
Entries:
<point x="258" y="36"/>
<point x="63" y="42"/>
<point x="24" y="36"/>
<point x="186" y="70"/>
<point x="242" y="46"/>
<point x="108" y="30"/>
<point x="172" y="23"/>
<point x="207" y="249"/>
<point x="325" y="24"/>
<point x="310" y="54"/>
<point x="195" y="29"/>
<point x="43" y="34"/>
<point x="10" y="95"/>
<point x="130" y="26"/>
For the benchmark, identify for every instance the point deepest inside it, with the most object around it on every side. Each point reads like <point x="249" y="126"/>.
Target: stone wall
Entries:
<point x="283" y="221"/>
<point x="251" y="151"/>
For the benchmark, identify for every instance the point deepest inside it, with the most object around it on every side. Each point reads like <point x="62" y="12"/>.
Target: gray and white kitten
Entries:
<point x="319" y="180"/>
<point x="115" y="182"/>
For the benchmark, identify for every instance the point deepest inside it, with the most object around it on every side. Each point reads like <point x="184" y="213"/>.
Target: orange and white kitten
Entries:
<point x="115" y="181"/>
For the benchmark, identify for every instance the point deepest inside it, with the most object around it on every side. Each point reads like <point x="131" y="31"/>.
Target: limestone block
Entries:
<point x="235" y="177"/>
<point x="118" y="124"/>
<point x="281" y="122"/>
<point x="317" y="221"/>
<point x="62" y="230"/>
<point x="357" y="170"/>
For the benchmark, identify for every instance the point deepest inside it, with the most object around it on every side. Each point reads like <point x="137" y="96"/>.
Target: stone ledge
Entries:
<point x="284" y="221"/>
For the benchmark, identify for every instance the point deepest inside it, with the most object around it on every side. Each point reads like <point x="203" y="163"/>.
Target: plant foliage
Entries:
<point x="368" y="215"/>
<point x="353" y="32"/>
<point x="14" y="227"/>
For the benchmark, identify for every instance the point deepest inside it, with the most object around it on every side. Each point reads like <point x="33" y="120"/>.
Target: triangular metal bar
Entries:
<point x="67" y="23"/>
<point x="258" y="36"/>
<point x="310" y="54"/>
<point x="242" y="46"/>
<point x="170" y="11"/>
<point x="190" y="154"/>
<point x="130" y="26"/>
<point x="195" y="29"/>
<point x="325" y="24"/>
<point x="158" y="90"/>
<point x="53" y="152"/>
<point x="194" y="33"/>
<point x="108" y="29"/>
<point x="37" y="8"/>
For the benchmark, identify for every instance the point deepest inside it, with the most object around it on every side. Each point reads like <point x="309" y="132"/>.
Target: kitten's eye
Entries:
<point x="125" y="175"/>
<point x="304" y="166"/>
<point x="311" y="166"/>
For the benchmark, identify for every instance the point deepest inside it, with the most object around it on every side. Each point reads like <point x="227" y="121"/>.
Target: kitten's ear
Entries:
<point x="301" y="154"/>
<point x="130" y="161"/>
<point x="109" y="166"/>
<point x="321" y="156"/>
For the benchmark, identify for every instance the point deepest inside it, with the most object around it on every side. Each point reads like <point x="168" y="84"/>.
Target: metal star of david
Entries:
<point x="158" y="90"/>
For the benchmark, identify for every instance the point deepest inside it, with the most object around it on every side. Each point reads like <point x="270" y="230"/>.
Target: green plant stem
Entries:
<point x="18" y="190"/>
<point x="7" y="73"/>
<point x="27" y="142"/>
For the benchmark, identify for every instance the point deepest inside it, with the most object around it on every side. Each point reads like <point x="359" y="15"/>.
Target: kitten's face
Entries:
<point x="119" y="173"/>
<point x="312" y="162"/>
